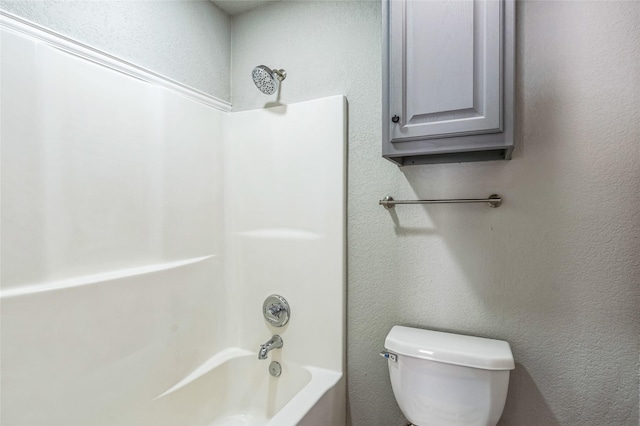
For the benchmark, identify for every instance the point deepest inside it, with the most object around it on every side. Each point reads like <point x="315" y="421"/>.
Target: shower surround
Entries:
<point x="143" y="225"/>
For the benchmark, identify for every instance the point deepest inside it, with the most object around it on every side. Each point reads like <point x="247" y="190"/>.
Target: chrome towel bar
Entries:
<point x="494" y="200"/>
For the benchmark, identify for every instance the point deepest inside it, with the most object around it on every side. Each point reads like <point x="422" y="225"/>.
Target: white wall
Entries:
<point x="112" y="237"/>
<point x="285" y="204"/>
<point x="554" y="270"/>
<point x="285" y="222"/>
<point x="187" y="41"/>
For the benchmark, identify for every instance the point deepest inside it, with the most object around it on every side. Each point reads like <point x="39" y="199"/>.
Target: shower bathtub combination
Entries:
<point x="143" y="226"/>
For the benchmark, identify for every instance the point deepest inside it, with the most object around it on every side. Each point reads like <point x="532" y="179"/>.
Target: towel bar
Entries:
<point x="494" y="200"/>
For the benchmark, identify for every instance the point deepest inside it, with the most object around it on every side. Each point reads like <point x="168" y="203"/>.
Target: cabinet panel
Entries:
<point x="439" y="64"/>
<point x="445" y="57"/>
<point x="448" y="80"/>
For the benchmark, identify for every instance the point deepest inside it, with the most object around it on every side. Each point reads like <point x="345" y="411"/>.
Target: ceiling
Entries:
<point x="234" y="7"/>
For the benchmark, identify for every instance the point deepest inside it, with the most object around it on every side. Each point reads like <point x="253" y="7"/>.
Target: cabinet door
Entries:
<point x="445" y="68"/>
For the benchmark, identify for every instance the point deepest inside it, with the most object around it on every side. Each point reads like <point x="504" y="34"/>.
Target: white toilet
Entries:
<point x="444" y="379"/>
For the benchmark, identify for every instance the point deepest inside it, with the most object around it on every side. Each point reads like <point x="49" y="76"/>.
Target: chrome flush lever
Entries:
<point x="393" y="357"/>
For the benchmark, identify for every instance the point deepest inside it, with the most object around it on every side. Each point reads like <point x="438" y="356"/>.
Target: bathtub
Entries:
<point x="235" y="388"/>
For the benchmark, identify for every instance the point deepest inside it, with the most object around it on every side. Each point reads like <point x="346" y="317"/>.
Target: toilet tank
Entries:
<point x="448" y="379"/>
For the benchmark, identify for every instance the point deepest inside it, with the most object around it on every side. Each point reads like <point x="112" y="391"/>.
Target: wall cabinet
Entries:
<point x="448" y="80"/>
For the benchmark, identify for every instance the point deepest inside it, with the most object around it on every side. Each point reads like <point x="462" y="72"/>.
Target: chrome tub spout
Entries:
<point x="274" y="343"/>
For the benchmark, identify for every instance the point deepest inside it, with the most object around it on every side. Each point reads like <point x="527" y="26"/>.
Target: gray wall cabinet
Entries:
<point x="448" y="70"/>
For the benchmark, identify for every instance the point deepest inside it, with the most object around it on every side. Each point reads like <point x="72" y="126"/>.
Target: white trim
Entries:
<point x="14" y="23"/>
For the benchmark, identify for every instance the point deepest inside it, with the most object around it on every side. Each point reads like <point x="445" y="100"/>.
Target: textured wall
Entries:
<point x="554" y="271"/>
<point x="188" y="41"/>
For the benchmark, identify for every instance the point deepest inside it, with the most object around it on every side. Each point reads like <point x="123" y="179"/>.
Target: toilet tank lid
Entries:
<point x="458" y="349"/>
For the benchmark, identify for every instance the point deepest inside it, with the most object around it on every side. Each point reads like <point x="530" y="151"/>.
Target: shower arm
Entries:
<point x="282" y="74"/>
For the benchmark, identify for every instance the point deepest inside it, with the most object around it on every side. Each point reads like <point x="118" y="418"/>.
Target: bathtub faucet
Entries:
<point x="274" y="343"/>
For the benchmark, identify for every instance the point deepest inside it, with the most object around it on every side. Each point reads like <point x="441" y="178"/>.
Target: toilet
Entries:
<point x="444" y="379"/>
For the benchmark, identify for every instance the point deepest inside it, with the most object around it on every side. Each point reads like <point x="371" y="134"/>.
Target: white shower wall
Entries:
<point x="285" y="210"/>
<point x="112" y="239"/>
<point x="142" y="229"/>
<point x="285" y="177"/>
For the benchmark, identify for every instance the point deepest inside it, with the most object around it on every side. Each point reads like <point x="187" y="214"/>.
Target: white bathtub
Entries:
<point x="235" y="388"/>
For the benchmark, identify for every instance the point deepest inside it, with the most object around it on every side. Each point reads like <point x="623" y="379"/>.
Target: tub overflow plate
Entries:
<point x="275" y="369"/>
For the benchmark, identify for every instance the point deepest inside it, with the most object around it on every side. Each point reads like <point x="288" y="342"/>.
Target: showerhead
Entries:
<point x="267" y="80"/>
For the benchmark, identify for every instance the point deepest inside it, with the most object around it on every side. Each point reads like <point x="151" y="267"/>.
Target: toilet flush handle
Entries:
<point x="393" y="357"/>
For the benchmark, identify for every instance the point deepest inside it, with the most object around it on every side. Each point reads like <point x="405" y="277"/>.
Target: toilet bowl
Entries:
<point x="444" y="379"/>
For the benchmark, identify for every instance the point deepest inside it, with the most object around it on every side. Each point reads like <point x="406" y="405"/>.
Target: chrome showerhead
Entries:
<point x="267" y="80"/>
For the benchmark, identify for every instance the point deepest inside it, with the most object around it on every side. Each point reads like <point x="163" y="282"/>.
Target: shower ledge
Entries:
<point x="98" y="278"/>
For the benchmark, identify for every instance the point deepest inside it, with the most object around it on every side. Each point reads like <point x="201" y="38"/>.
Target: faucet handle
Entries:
<point x="276" y="310"/>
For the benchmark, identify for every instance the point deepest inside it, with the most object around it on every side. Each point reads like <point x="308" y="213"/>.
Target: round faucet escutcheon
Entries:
<point x="276" y="310"/>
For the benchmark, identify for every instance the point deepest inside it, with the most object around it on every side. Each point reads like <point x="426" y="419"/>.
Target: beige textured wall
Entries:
<point x="185" y="40"/>
<point x="555" y="270"/>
